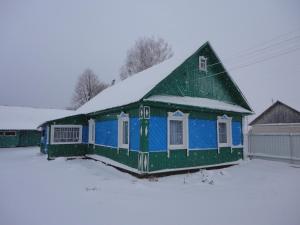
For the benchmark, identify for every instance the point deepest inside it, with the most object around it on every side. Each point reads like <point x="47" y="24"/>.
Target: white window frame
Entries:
<point x="200" y="64"/>
<point x="227" y="120"/>
<point x="92" y="131"/>
<point x="65" y="126"/>
<point x="179" y="116"/>
<point x="48" y="135"/>
<point x="123" y="117"/>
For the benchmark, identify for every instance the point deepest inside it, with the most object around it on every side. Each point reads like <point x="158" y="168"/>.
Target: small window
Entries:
<point x="123" y="121"/>
<point x="66" y="134"/>
<point x="177" y="130"/>
<point x="224" y="131"/>
<point x="202" y="63"/>
<point x="10" y="133"/>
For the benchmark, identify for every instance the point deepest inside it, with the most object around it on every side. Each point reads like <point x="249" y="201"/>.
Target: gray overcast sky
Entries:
<point x="45" y="45"/>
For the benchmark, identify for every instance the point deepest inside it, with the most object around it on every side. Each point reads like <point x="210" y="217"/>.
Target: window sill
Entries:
<point x="177" y="147"/>
<point x="66" y="143"/>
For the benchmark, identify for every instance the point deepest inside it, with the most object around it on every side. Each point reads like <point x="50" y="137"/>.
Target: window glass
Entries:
<point x="222" y="133"/>
<point x="66" y="134"/>
<point x="125" y="132"/>
<point x="176" y="132"/>
<point x="202" y="63"/>
<point x="10" y="133"/>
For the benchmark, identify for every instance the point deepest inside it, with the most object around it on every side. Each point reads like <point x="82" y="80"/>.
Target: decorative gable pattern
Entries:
<point x="189" y="80"/>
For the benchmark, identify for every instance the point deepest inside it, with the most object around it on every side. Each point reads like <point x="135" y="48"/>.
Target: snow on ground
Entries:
<point x="34" y="191"/>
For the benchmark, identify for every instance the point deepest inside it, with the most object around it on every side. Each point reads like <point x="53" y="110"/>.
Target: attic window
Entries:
<point x="202" y="63"/>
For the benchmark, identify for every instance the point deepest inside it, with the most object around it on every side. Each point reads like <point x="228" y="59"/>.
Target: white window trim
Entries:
<point x="92" y="132"/>
<point x="205" y="67"/>
<point x="228" y="121"/>
<point x="121" y="118"/>
<point x="48" y="135"/>
<point x="65" y="126"/>
<point x="184" y="119"/>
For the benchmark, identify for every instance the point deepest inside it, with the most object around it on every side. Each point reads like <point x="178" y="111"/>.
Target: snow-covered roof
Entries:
<point x="26" y="118"/>
<point x="198" y="102"/>
<point x="133" y="88"/>
<point x="130" y="90"/>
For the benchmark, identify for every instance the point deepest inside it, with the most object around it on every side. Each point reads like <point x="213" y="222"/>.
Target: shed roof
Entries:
<point x="27" y="118"/>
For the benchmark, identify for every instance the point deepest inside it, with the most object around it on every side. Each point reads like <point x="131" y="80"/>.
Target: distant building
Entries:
<point x="278" y="118"/>
<point x="184" y="113"/>
<point x="276" y="133"/>
<point x="19" y="125"/>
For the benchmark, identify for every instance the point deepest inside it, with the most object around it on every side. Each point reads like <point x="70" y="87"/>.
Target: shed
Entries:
<point x="184" y="113"/>
<point x="275" y="133"/>
<point x="18" y="125"/>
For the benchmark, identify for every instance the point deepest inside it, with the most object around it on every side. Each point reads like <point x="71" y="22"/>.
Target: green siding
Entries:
<point x="76" y="120"/>
<point x="120" y="156"/>
<point x="188" y="80"/>
<point x="9" y="141"/>
<point x="67" y="150"/>
<point x="29" y="138"/>
<point x="22" y="138"/>
<point x="196" y="158"/>
<point x="163" y="109"/>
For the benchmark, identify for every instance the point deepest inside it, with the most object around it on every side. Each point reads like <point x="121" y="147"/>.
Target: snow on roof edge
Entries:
<point x="198" y="102"/>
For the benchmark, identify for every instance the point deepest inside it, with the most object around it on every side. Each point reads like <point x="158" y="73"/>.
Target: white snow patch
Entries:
<point x="198" y="102"/>
<point x="35" y="191"/>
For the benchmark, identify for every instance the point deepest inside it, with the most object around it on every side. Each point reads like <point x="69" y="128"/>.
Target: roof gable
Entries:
<point x="278" y="113"/>
<point x="188" y="81"/>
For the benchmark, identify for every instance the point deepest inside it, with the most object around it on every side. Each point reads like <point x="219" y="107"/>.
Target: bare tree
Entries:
<point x="88" y="86"/>
<point x="145" y="53"/>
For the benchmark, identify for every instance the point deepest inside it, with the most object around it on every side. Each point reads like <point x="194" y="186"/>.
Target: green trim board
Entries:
<point x="160" y="162"/>
<point x="66" y="150"/>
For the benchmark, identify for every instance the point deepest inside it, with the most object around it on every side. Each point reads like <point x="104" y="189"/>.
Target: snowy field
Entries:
<point x="34" y="191"/>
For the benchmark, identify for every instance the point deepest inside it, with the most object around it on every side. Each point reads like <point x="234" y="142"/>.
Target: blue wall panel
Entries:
<point x="85" y="134"/>
<point x="107" y="133"/>
<point x="237" y="133"/>
<point x="157" y="133"/>
<point x="202" y="134"/>
<point x="134" y="133"/>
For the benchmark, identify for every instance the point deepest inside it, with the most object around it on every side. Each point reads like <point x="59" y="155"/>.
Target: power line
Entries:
<point x="268" y="41"/>
<point x="258" y="52"/>
<point x="278" y="41"/>
<point x="249" y="64"/>
<point x="263" y="60"/>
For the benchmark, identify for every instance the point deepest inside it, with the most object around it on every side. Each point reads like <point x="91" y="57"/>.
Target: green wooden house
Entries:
<point x="18" y="125"/>
<point x="184" y="113"/>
